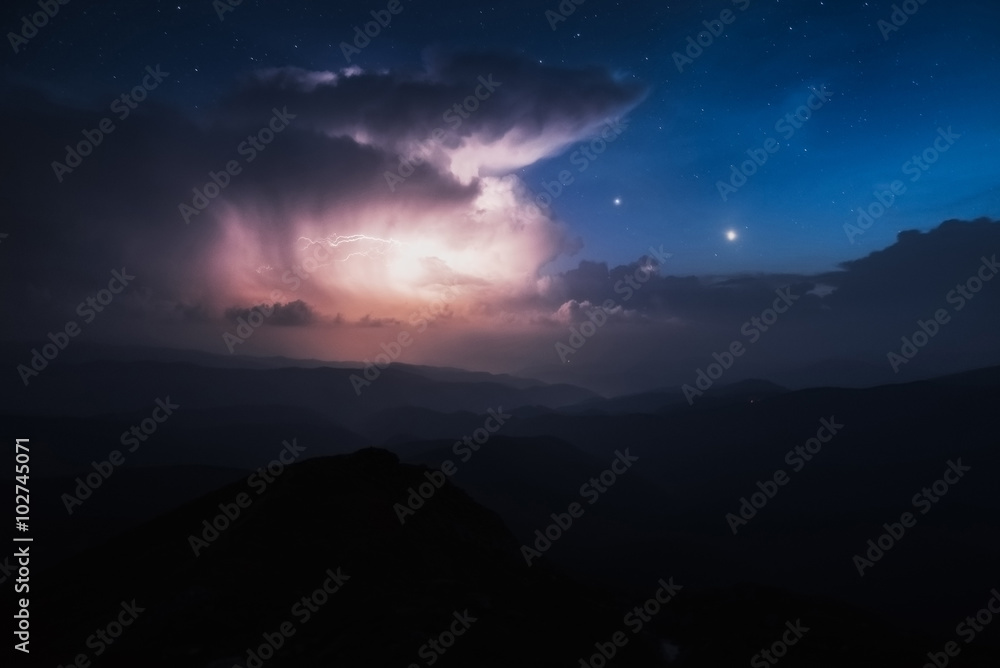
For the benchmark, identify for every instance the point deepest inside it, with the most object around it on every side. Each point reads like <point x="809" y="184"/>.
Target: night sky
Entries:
<point x="913" y="104"/>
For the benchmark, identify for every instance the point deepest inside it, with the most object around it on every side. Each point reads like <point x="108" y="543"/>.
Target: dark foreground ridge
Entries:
<point x="330" y="523"/>
<point x="319" y="571"/>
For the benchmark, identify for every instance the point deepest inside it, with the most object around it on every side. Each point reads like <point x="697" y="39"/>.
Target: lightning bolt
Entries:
<point x="379" y="246"/>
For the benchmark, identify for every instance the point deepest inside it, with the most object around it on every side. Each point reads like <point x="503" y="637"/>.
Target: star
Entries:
<point x="731" y="235"/>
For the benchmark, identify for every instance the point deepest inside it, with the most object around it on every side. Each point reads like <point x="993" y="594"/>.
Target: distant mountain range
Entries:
<point x="669" y="515"/>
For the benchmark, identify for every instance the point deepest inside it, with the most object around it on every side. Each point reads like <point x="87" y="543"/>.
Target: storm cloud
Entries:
<point x="355" y="203"/>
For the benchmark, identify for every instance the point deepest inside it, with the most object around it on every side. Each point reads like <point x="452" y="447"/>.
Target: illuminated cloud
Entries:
<point x="311" y="222"/>
<point x="456" y="254"/>
<point x="455" y="222"/>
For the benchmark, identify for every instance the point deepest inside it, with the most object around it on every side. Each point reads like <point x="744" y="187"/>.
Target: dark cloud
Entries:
<point x="292" y="314"/>
<point x="368" y="321"/>
<point x="120" y="205"/>
<point x="341" y="132"/>
<point x="860" y="315"/>
<point x="520" y="95"/>
<point x="452" y="226"/>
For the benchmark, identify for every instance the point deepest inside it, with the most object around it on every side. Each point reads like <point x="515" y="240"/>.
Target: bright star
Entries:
<point x="618" y="201"/>
<point x="731" y="235"/>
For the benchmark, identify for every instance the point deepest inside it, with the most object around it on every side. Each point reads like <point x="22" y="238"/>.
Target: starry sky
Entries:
<point x="836" y="102"/>
<point x="659" y="183"/>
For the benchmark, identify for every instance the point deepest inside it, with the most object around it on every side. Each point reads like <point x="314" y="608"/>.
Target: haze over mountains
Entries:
<point x="464" y="334"/>
<point x="799" y="330"/>
<point x="668" y="515"/>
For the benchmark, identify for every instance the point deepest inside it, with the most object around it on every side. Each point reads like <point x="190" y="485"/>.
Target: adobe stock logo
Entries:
<point x="229" y="512"/>
<point x="787" y="125"/>
<point x="302" y="610"/>
<point x="250" y="148"/>
<point x="590" y="490"/>
<point x="222" y="7"/>
<point x="635" y="620"/>
<point x="752" y="328"/>
<point x="420" y="494"/>
<point x="454" y="116"/>
<point x="88" y="310"/>
<point x="105" y="636"/>
<point x="420" y="320"/>
<point x="434" y="649"/>
<point x="372" y="29"/>
<point x="585" y="154"/>
<point x="899" y="17"/>
<point x="967" y="630"/>
<point x="245" y="327"/>
<point x="915" y="167"/>
<point x="122" y="106"/>
<point x="923" y="501"/>
<point x="31" y="24"/>
<point x="796" y="458"/>
<point x="141" y="432"/>
<point x="563" y="11"/>
<point x="597" y="317"/>
<point x="791" y="636"/>
<point x="706" y="38"/>
<point x="927" y="329"/>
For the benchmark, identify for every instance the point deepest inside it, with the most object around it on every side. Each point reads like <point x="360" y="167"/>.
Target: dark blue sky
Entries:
<point x="889" y="98"/>
<point x="752" y="156"/>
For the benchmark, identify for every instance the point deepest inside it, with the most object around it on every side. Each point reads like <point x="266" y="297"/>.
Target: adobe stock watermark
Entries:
<point x="796" y="458"/>
<point x="563" y="11"/>
<point x="923" y="501"/>
<point x="258" y="481"/>
<point x="435" y="648"/>
<point x="372" y="29"/>
<point x="32" y="23"/>
<point x="101" y="639"/>
<point x="779" y="648"/>
<point x="223" y="7"/>
<point x="257" y="315"/>
<point x="753" y="329"/>
<point x="580" y="158"/>
<point x="392" y="350"/>
<point x="22" y="617"/>
<point x="899" y="16"/>
<point x="713" y="29"/>
<point x="122" y="106"/>
<point x="591" y="491"/>
<point x="916" y="166"/>
<point x="967" y="630"/>
<point x="133" y="437"/>
<point x="302" y="611"/>
<point x="88" y="310"/>
<point x="245" y="327"/>
<point x="7" y="568"/>
<point x="249" y="148"/>
<point x="419" y="495"/>
<point x="787" y="125"/>
<point x="454" y="116"/>
<point x="597" y="317"/>
<point x="960" y="295"/>
<point x="635" y="620"/>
